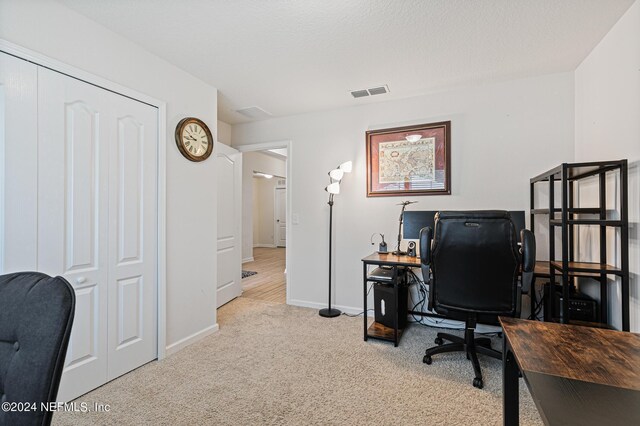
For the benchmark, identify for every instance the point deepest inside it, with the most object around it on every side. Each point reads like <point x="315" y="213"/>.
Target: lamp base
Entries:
<point x="329" y="313"/>
<point x="399" y="253"/>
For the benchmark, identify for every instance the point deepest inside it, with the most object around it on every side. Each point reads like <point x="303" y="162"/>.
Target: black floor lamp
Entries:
<point x="335" y="177"/>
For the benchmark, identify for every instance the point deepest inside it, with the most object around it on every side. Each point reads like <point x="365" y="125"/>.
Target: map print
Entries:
<point x="403" y="161"/>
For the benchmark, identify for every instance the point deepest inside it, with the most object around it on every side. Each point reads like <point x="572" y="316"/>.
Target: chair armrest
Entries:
<point x="426" y="235"/>
<point x="528" y="251"/>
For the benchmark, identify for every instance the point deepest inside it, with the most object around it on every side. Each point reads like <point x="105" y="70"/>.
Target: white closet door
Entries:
<point x="97" y="224"/>
<point x="132" y="236"/>
<point x="74" y="135"/>
<point x="18" y="164"/>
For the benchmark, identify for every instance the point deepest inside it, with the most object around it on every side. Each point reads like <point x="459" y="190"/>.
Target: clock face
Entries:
<point x="194" y="139"/>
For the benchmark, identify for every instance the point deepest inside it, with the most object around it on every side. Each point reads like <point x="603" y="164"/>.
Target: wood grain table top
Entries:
<point x="594" y="355"/>
<point x="392" y="259"/>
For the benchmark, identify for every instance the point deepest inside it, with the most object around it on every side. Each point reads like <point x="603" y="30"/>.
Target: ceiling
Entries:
<point x="291" y="57"/>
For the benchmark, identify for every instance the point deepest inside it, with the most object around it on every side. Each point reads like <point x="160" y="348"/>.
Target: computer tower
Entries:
<point x="384" y="302"/>
<point x="581" y="306"/>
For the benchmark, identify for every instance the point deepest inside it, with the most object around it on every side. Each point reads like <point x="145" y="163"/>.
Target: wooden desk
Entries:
<point x="399" y="263"/>
<point x="576" y="375"/>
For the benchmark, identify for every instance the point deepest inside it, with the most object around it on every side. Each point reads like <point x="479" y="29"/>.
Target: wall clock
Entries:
<point x="194" y="139"/>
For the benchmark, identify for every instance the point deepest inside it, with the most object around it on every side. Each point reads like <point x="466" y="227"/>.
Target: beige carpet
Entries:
<point x="276" y="364"/>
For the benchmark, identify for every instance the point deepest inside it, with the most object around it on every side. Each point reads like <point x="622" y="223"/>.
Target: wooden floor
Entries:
<point x="269" y="282"/>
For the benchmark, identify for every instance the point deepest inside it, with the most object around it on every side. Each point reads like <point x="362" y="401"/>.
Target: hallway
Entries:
<point x="269" y="283"/>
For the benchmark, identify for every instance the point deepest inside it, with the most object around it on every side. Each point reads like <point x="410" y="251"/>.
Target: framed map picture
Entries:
<point x="412" y="160"/>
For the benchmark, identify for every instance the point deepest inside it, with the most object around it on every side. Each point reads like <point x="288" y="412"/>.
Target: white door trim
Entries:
<point x="55" y="65"/>
<point x="287" y="145"/>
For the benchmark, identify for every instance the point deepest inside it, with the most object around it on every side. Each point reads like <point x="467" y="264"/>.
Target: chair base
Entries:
<point x="471" y="345"/>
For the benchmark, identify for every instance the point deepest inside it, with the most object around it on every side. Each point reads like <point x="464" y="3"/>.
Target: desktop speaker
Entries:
<point x="411" y="250"/>
<point x="384" y="299"/>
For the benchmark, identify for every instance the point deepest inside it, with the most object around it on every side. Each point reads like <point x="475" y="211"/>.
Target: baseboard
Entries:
<point x="346" y="309"/>
<point x="183" y="343"/>
<point x="481" y="328"/>
<point x="264" y="245"/>
<point x="248" y="259"/>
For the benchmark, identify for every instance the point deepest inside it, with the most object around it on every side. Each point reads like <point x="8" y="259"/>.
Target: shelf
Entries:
<point x="565" y="215"/>
<point x="577" y="171"/>
<point x="574" y="210"/>
<point x="606" y="222"/>
<point x="382" y="332"/>
<point x="587" y="267"/>
<point x="542" y="271"/>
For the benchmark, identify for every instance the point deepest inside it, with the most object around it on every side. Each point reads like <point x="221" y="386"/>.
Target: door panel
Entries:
<point x="132" y="244"/>
<point x="280" y="215"/>
<point x="229" y="250"/>
<point x="72" y="216"/>
<point x="18" y="164"/>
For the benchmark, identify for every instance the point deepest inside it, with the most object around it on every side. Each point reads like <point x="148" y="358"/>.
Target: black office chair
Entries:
<point x="475" y="271"/>
<point x="36" y="315"/>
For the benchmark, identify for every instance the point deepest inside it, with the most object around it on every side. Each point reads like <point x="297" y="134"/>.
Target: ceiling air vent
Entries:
<point x="381" y="90"/>
<point x="254" y="112"/>
<point x="359" y="93"/>
<point x="378" y="90"/>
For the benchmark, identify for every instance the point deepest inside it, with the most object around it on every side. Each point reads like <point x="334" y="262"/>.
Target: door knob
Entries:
<point x="81" y="280"/>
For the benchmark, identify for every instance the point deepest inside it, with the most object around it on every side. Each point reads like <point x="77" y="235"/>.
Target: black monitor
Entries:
<point x="414" y="221"/>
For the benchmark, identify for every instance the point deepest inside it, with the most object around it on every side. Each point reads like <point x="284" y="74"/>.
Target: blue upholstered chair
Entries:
<point x="36" y="315"/>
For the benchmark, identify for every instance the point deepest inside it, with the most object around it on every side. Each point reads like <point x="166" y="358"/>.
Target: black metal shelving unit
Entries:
<point x="567" y="174"/>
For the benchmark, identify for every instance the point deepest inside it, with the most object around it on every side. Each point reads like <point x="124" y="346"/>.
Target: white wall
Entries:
<point x="54" y="30"/>
<point x="264" y="212"/>
<point x="607" y="127"/>
<point x="502" y="134"/>
<point x="259" y="162"/>
<point x="224" y="133"/>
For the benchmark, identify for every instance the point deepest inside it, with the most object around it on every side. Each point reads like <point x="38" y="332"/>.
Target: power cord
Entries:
<point x="423" y="289"/>
<point x="357" y="315"/>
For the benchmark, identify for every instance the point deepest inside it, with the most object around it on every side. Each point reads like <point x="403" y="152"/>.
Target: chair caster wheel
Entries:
<point x="438" y="341"/>
<point x="477" y="383"/>
<point x="427" y="359"/>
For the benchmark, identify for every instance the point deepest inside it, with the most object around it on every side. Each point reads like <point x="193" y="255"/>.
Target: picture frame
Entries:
<point x="409" y="160"/>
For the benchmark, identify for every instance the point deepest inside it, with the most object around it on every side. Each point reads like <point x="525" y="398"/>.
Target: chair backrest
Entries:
<point x="36" y="315"/>
<point x="475" y="263"/>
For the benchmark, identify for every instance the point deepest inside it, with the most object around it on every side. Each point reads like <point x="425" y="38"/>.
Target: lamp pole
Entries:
<point x="335" y="177"/>
<point x="329" y="312"/>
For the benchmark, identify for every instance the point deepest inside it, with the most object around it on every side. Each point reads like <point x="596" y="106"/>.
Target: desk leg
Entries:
<point x="510" y="387"/>
<point x="364" y="286"/>
<point x="397" y="323"/>
<point x="533" y="299"/>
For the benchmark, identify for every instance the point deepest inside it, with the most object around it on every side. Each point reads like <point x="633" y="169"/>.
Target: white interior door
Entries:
<point x="97" y="224"/>
<point x="229" y="252"/>
<point x="280" y="216"/>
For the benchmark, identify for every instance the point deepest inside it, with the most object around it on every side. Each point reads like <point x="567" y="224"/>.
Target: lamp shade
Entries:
<point x="336" y="174"/>
<point x="334" y="188"/>
<point x="346" y="166"/>
<point x="413" y="138"/>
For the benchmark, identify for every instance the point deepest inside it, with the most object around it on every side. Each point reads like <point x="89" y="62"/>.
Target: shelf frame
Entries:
<point x="567" y="268"/>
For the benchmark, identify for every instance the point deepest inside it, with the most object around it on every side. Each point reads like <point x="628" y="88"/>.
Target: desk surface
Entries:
<point x="578" y="375"/>
<point x="541" y="269"/>
<point x="392" y="259"/>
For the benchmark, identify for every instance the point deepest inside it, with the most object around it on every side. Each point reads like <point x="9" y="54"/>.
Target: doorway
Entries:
<point x="266" y="192"/>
